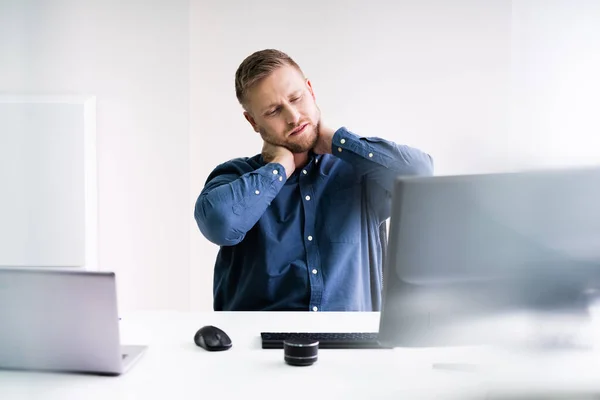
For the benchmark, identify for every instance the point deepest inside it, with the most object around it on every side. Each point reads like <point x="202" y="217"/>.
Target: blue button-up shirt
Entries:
<point x="309" y="242"/>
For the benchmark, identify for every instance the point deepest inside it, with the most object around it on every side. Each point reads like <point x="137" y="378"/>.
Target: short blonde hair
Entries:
<point x="258" y="66"/>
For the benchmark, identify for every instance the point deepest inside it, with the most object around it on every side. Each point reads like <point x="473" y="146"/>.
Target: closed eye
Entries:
<point x="273" y="112"/>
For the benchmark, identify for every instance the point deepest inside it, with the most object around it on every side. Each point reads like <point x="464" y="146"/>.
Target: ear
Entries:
<point x="251" y="121"/>
<point x="310" y="89"/>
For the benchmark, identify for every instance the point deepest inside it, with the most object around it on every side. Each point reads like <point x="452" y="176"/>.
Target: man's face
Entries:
<point x="282" y="109"/>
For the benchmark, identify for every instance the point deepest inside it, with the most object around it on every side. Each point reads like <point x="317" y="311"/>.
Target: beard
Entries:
<point x="301" y="144"/>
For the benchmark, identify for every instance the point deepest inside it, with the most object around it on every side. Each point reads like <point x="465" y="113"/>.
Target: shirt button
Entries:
<point x="307" y="198"/>
<point x="315" y="308"/>
<point x="370" y="154"/>
<point x="280" y="178"/>
<point x="340" y="149"/>
<point x="275" y="172"/>
<point x="304" y="172"/>
<point x="257" y="191"/>
<point x="343" y="141"/>
<point x="309" y="238"/>
<point x="314" y="271"/>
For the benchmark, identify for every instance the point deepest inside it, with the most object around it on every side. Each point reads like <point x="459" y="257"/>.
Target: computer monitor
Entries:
<point x="477" y="259"/>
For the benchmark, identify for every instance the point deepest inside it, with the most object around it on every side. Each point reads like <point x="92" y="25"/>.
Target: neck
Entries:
<point x="300" y="159"/>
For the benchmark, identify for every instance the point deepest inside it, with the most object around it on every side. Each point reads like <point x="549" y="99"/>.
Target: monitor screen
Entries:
<point x="464" y="249"/>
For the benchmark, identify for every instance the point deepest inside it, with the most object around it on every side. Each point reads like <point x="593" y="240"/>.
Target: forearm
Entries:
<point x="227" y="209"/>
<point x="378" y="159"/>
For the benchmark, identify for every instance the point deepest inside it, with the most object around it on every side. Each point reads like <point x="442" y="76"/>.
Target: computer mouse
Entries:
<point x="212" y="338"/>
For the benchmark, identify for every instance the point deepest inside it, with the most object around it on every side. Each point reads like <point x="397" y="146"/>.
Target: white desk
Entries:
<point x="175" y="368"/>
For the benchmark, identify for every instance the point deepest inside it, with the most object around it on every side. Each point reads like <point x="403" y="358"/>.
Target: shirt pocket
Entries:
<point x="342" y="214"/>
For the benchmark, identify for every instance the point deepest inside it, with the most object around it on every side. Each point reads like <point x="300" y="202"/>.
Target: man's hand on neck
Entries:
<point x="281" y="155"/>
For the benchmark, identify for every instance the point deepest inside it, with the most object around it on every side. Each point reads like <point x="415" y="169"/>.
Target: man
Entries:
<point x="299" y="224"/>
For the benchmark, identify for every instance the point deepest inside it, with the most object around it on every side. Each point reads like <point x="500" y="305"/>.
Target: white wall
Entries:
<point x="555" y="82"/>
<point x="134" y="56"/>
<point x="432" y="74"/>
<point x="483" y="86"/>
<point x="478" y="84"/>
<point x="48" y="207"/>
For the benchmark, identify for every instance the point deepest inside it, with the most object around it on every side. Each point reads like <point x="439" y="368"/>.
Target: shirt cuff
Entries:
<point x="345" y="144"/>
<point x="273" y="173"/>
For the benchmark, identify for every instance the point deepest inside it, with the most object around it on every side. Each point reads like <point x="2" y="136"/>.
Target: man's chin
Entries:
<point x="299" y="148"/>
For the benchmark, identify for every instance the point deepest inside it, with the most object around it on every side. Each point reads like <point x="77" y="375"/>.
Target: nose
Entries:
<point x="292" y="115"/>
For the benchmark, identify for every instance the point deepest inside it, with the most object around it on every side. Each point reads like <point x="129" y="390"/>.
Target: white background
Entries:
<point x="480" y="85"/>
<point x="48" y="207"/>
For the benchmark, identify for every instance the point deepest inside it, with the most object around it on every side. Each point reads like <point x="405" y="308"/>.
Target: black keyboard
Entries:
<point x="327" y="340"/>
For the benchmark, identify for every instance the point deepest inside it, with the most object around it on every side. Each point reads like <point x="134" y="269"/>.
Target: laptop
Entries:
<point x="62" y="321"/>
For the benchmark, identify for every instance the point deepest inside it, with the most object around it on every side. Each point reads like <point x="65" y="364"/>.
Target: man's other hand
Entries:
<point x="279" y="154"/>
